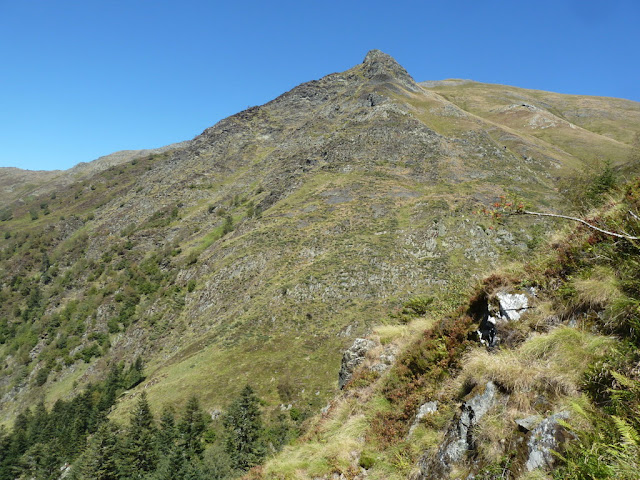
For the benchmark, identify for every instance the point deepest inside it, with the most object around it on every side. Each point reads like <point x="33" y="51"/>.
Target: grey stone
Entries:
<point x="424" y="410"/>
<point x="382" y="68"/>
<point x="462" y="433"/>
<point x="386" y="359"/>
<point x="512" y="305"/>
<point x="527" y="424"/>
<point x="472" y="412"/>
<point x="459" y="438"/>
<point x="352" y="358"/>
<point x="543" y="440"/>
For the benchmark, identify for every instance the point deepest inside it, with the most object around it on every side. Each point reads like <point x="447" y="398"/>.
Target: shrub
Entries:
<point x="227" y="226"/>
<point x="42" y="376"/>
<point x="418" y="305"/>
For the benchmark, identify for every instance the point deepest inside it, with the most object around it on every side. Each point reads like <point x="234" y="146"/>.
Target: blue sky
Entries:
<point x="82" y="79"/>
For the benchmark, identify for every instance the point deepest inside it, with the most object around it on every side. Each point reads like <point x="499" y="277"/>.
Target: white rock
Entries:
<point x="512" y="305"/>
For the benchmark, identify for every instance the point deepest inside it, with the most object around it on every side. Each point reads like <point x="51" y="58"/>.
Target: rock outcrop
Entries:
<point x="460" y="438"/>
<point x="424" y="410"/>
<point x="544" y="439"/>
<point x="352" y="358"/>
<point x="509" y="307"/>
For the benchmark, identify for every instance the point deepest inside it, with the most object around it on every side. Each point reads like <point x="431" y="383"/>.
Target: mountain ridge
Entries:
<point x="346" y="196"/>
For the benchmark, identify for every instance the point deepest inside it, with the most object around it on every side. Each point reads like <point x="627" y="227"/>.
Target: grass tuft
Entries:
<point x="552" y="363"/>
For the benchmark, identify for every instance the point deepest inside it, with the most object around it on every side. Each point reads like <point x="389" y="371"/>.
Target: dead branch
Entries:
<point x="575" y="219"/>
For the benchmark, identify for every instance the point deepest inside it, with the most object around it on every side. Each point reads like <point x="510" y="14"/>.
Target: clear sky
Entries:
<point x="81" y="79"/>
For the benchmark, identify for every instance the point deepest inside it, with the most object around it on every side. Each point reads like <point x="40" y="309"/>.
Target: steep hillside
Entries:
<point x="256" y="252"/>
<point x="535" y="376"/>
<point x="18" y="185"/>
<point x="590" y="128"/>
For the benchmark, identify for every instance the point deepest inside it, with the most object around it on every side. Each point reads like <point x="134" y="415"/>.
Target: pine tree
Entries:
<point x="39" y="425"/>
<point x="42" y="462"/>
<point x="243" y="423"/>
<point x="171" y="466"/>
<point x="19" y="440"/>
<point x="135" y="374"/>
<point x="167" y="433"/>
<point x="140" y="455"/>
<point x="101" y="460"/>
<point x="191" y="429"/>
<point x="6" y="457"/>
<point x="112" y="387"/>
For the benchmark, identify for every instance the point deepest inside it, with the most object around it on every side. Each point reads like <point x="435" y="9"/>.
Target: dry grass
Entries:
<point x="491" y="432"/>
<point x="535" y="475"/>
<point x="552" y="363"/>
<point x="402" y="333"/>
<point x="333" y="445"/>
<point x="599" y="289"/>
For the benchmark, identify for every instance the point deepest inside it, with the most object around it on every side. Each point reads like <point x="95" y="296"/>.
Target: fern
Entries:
<point x="629" y="434"/>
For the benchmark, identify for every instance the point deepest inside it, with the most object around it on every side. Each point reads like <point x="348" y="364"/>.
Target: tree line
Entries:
<point x="76" y="440"/>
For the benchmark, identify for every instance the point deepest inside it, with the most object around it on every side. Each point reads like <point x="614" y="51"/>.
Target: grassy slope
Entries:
<point x="584" y="280"/>
<point x="344" y="244"/>
<point x="589" y="128"/>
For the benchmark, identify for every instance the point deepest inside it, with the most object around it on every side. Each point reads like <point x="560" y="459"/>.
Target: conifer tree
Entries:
<point x="39" y="425"/>
<point x="167" y="433"/>
<point x="113" y="385"/>
<point x="243" y="423"/>
<point x="42" y="462"/>
<point x="191" y="428"/>
<point x="6" y="457"/>
<point x="102" y="458"/>
<point x="140" y="454"/>
<point x="171" y="466"/>
<point x="135" y="374"/>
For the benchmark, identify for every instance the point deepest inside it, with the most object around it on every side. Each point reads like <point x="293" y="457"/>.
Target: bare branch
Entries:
<point x="575" y="219"/>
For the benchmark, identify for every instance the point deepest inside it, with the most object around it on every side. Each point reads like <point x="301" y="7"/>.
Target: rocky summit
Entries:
<point x="257" y="252"/>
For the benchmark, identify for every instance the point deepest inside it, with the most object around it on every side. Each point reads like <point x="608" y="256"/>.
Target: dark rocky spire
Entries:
<point x="382" y="68"/>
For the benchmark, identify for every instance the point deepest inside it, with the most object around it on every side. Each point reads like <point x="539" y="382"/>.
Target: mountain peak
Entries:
<point x="382" y="67"/>
<point x="376" y="55"/>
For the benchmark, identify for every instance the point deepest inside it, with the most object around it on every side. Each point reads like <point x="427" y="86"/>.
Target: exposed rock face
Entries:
<point x="510" y="307"/>
<point x="424" y="410"/>
<point x="385" y="360"/>
<point x="543" y="440"/>
<point x="382" y="68"/>
<point x="527" y="424"/>
<point x="353" y="357"/>
<point x="459" y="439"/>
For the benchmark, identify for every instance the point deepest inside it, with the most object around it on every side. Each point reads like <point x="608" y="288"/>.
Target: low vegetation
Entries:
<point x="258" y="251"/>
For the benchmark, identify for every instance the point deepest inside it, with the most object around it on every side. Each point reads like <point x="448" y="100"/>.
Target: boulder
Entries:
<point x="424" y="410"/>
<point x="512" y="305"/>
<point x="352" y="358"/>
<point x="385" y="360"/>
<point x="460" y="438"/>
<point x="544" y="440"/>
<point x="527" y="424"/>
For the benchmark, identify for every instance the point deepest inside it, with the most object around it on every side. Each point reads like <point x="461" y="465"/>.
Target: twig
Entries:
<point x="606" y="232"/>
